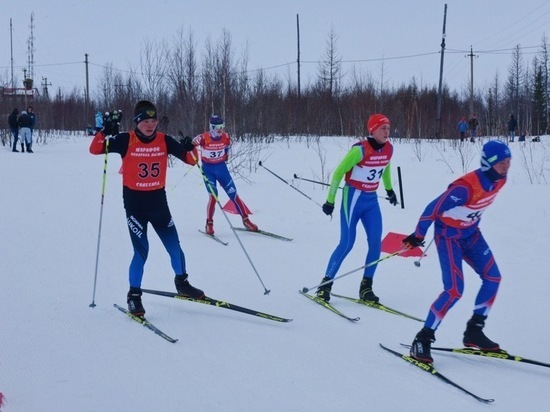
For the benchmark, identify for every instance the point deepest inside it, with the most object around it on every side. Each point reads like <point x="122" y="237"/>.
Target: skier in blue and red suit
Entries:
<point x="456" y="215"/>
<point x="214" y="146"/>
<point x="144" y="152"/>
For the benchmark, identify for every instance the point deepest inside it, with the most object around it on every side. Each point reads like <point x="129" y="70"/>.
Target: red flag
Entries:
<point x="231" y="208"/>
<point x="393" y="242"/>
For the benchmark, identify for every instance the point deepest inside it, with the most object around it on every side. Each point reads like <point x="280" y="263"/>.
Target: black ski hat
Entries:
<point x="144" y="109"/>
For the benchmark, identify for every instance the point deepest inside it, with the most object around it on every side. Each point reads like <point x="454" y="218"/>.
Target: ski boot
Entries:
<point x="134" y="302"/>
<point x="474" y="336"/>
<point x="422" y="345"/>
<point x="185" y="289"/>
<point x="365" y="291"/>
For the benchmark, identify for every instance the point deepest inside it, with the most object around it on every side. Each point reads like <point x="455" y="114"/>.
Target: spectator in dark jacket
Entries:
<point x="14" y="128"/>
<point x="473" y="123"/>
<point x="25" y="123"/>
<point x="512" y="126"/>
<point x="31" y="114"/>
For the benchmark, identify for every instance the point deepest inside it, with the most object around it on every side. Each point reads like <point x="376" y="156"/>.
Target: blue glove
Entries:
<point x="328" y="208"/>
<point x="392" y="198"/>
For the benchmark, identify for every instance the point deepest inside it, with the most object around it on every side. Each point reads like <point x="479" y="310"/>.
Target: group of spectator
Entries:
<point x="109" y="122"/>
<point x="21" y="127"/>
<point x="472" y="125"/>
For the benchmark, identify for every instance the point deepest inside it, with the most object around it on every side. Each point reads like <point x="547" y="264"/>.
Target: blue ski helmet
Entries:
<point x="216" y="124"/>
<point x="493" y="152"/>
<point x="216" y="120"/>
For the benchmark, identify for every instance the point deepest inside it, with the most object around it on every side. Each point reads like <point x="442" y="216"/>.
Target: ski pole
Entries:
<point x="283" y="180"/>
<point x="305" y="290"/>
<point x="213" y="193"/>
<point x="417" y="262"/>
<point x="93" y="305"/>
<point x="312" y="181"/>
<point x="183" y="177"/>
<point x="400" y="187"/>
<point x="326" y="184"/>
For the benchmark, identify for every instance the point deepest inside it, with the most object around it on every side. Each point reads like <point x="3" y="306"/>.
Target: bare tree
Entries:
<point x="208" y="79"/>
<point x="224" y="72"/>
<point x="106" y="87"/>
<point x="492" y="99"/>
<point x="515" y="82"/>
<point x="330" y="67"/>
<point x="182" y="76"/>
<point x="544" y="61"/>
<point x="539" y="102"/>
<point x="154" y="66"/>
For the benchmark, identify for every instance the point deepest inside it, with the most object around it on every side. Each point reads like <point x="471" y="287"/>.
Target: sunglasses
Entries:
<point x="217" y="126"/>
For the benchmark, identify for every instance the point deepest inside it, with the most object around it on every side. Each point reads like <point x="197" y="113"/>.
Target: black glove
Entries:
<point x="413" y="241"/>
<point x="328" y="208"/>
<point x="392" y="198"/>
<point x="187" y="143"/>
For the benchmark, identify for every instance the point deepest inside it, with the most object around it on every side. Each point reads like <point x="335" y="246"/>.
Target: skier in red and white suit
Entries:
<point x="214" y="146"/>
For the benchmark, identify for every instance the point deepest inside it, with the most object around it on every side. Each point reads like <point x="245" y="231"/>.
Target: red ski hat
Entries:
<point x="375" y="121"/>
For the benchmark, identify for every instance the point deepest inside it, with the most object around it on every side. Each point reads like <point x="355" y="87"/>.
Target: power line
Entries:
<point x="376" y="59"/>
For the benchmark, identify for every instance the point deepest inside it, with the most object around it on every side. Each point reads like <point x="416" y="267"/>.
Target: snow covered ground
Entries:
<point x="58" y="354"/>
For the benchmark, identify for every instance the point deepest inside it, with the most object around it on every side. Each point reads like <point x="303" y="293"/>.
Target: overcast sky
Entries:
<point x="376" y="37"/>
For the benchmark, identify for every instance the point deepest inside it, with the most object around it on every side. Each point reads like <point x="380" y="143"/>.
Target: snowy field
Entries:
<point x="57" y="354"/>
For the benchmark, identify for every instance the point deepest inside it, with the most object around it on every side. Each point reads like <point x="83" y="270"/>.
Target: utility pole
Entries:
<point x="87" y="95"/>
<point x="11" y="51"/>
<point x="25" y="84"/>
<point x="45" y="85"/>
<point x="30" y="49"/>
<point x="298" y="58"/>
<point x="439" y="92"/>
<point x="471" y="56"/>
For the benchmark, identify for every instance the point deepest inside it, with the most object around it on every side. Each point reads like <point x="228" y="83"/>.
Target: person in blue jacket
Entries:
<point x="462" y="127"/>
<point x="456" y="215"/>
<point x="98" y="121"/>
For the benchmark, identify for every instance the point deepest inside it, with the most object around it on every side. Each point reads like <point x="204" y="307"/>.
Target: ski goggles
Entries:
<point x="217" y="126"/>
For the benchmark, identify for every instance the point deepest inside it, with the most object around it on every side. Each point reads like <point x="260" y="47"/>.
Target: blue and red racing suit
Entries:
<point x="456" y="215"/>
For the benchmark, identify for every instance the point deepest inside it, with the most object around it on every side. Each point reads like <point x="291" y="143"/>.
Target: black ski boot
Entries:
<point x="422" y="345"/>
<point x="365" y="291"/>
<point x="29" y="148"/>
<point x="134" y="302"/>
<point x="323" y="292"/>
<point x="474" y="336"/>
<point x="185" y="289"/>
